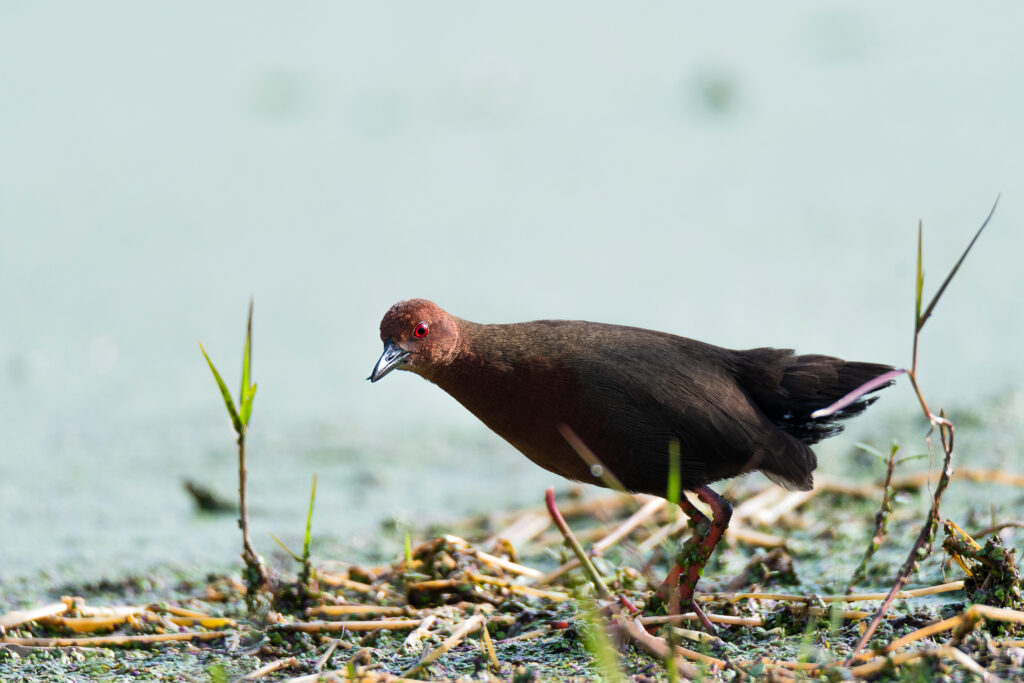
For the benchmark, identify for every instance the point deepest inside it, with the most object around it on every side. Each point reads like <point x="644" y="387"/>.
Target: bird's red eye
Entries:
<point x="422" y="330"/>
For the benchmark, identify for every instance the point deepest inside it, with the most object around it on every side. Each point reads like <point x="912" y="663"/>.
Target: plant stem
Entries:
<point x="256" y="576"/>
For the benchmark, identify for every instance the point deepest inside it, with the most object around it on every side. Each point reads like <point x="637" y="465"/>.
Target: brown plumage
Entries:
<point x="627" y="393"/>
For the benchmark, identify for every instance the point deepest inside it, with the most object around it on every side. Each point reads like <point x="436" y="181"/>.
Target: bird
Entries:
<point x="630" y="396"/>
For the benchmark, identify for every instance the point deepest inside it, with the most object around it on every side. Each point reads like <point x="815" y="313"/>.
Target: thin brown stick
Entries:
<point x="112" y="641"/>
<point x="570" y="539"/>
<point x="19" y="617"/>
<point x="412" y="641"/>
<point x="508" y="565"/>
<point x="881" y="523"/>
<point x="270" y="668"/>
<point x="342" y="610"/>
<point x="616" y="535"/>
<point x="464" y="629"/>
<point x="517" y="588"/>
<point x="492" y="656"/>
<point x="852" y="597"/>
<point x="332" y="626"/>
<point x="997" y="528"/>
<point x="692" y="616"/>
<point x="656" y="646"/>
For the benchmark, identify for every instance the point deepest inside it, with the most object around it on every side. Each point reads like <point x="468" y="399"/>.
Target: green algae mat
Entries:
<point x="512" y="603"/>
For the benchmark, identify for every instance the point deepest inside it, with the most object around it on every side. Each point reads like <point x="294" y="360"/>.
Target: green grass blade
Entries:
<point x="285" y="548"/>
<point x="408" y="550"/>
<point x="243" y="393"/>
<point x="599" y="645"/>
<point x="309" y="522"/>
<point x="920" y="278"/>
<point x="674" y="473"/>
<point x="228" y="401"/>
<point x="246" y="411"/>
<point x="922" y="318"/>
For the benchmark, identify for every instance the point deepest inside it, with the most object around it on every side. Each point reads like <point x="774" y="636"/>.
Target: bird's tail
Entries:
<point x="789" y="388"/>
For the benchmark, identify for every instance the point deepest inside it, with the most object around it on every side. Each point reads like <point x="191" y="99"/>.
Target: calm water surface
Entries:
<point x="747" y="175"/>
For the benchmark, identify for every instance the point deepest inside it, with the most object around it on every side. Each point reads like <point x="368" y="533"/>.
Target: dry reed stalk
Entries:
<point x="492" y="656"/>
<point x="525" y="528"/>
<point x="624" y="529"/>
<point x="768" y="516"/>
<point x="968" y="618"/>
<point x="517" y="588"/>
<point x="19" y="617"/>
<point x="341" y="610"/>
<point x="326" y="656"/>
<point x="412" y="641"/>
<point x="345" y="675"/>
<point x="758" y="539"/>
<point x="507" y="565"/>
<point x="656" y="646"/>
<point x="946" y="651"/>
<point x="113" y="641"/>
<point x="920" y="479"/>
<point x="570" y="539"/>
<point x="85" y="624"/>
<point x="853" y="597"/>
<point x="180" y="611"/>
<point x="528" y="635"/>
<point x="692" y="616"/>
<point x="205" y="622"/>
<point x="464" y="629"/>
<point x="121" y="610"/>
<point x="338" y="581"/>
<point x="435" y="584"/>
<point x="270" y="668"/>
<point x="333" y="626"/>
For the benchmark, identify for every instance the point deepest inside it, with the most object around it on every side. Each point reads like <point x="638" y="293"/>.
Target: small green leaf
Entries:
<point x="674" y="472"/>
<point x="246" y="411"/>
<point x="285" y="548"/>
<point x="918" y="323"/>
<point x="868" y="448"/>
<point x="922" y="318"/>
<point x="408" y="550"/>
<point x="228" y="401"/>
<point x="309" y="521"/>
<point x="246" y="361"/>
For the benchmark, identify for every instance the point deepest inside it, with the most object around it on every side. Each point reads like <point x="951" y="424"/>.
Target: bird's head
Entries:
<point x="418" y="335"/>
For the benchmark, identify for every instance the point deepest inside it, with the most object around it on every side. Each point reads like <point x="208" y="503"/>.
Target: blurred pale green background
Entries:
<point x="747" y="174"/>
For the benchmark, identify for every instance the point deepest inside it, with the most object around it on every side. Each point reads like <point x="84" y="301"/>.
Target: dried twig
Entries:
<point x="270" y="668"/>
<point x="464" y="629"/>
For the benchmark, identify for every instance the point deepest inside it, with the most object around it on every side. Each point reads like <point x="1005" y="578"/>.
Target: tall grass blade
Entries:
<point x="596" y="640"/>
<point x="919" y="282"/>
<point x="922" y="318"/>
<point x="286" y="548"/>
<point x="309" y="521"/>
<point x="674" y="473"/>
<point x="244" y="394"/>
<point x="246" y="411"/>
<point x="236" y="420"/>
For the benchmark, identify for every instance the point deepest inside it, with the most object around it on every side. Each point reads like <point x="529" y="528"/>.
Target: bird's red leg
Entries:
<point x="682" y="580"/>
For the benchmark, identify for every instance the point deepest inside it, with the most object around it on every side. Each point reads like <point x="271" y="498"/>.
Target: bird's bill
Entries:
<point x="393" y="356"/>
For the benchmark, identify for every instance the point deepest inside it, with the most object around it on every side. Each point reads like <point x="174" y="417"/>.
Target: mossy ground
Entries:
<point x="538" y="639"/>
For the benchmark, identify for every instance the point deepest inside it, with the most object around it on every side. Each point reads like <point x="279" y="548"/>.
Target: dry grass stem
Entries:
<point x="464" y="629"/>
<point x="508" y="565"/>
<point x="341" y="610"/>
<point x="335" y="626"/>
<point x="116" y="641"/>
<point x="19" y="617"/>
<point x="517" y="588"/>
<point x="270" y="668"/>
